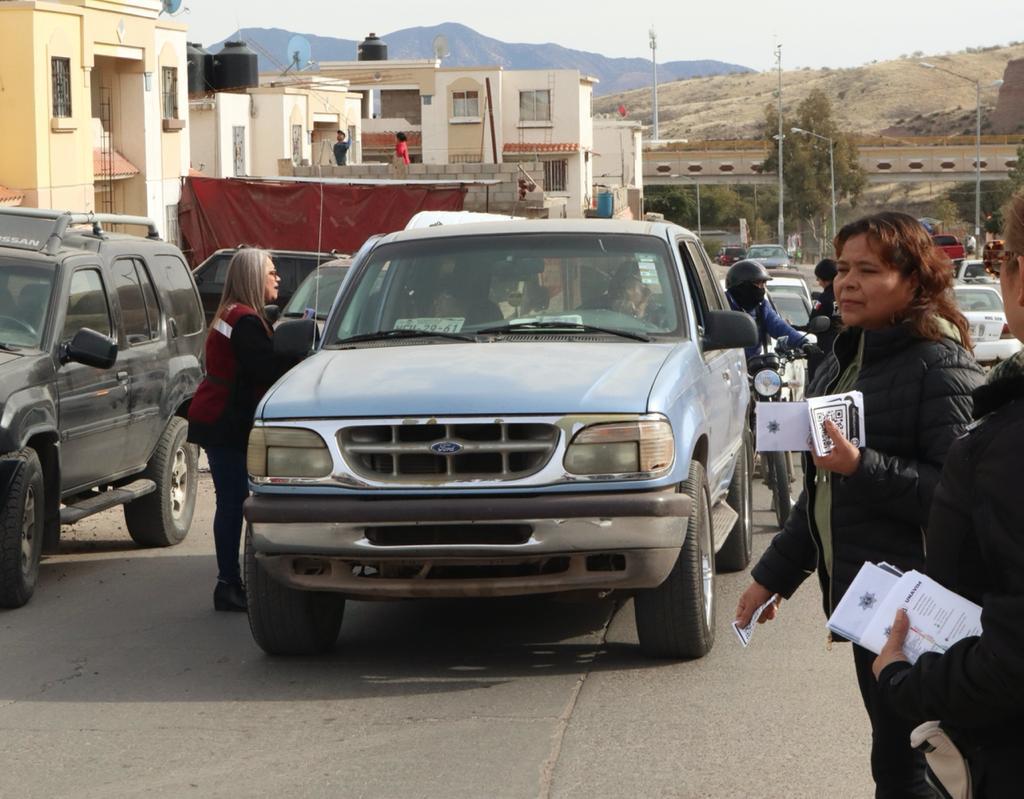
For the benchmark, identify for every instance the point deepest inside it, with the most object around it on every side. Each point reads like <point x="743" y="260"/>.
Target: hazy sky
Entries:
<point x="814" y="34"/>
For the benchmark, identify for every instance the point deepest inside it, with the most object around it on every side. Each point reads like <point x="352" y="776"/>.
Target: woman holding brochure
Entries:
<point x="903" y="347"/>
<point x="976" y="548"/>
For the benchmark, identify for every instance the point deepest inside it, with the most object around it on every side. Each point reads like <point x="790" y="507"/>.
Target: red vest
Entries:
<point x="217" y="388"/>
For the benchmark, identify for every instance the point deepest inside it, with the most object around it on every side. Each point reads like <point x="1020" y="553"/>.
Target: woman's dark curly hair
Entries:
<point x="904" y="244"/>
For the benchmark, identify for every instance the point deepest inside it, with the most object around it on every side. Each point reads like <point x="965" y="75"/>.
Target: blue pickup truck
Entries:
<point x="502" y="409"/>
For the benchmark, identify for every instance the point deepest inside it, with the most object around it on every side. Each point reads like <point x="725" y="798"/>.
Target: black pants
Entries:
<point x="897" y="769"/>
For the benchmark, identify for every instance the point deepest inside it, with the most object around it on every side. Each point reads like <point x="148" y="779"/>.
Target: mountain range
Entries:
<point x="469" y="48"/>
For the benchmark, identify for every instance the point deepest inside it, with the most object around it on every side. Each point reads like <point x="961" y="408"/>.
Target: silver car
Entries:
<point x="770" y="256"/>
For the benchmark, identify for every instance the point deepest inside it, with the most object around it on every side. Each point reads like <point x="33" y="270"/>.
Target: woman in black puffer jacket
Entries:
<point x="903" y="347"/>
<point x="976" y="548"/>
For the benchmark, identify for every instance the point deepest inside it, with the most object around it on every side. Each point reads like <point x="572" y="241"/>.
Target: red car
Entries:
<point x="949" y="244"/>
<point x="727" y="256"/>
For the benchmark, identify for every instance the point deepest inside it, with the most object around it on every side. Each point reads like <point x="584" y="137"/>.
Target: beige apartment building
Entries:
<point x="95" y="110"/>
<point x="532" y="116"/>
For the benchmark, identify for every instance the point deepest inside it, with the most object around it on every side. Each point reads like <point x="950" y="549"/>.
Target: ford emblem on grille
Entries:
<point x="446" y="448"/>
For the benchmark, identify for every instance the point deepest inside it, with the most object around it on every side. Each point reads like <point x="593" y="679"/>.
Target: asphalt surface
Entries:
<point x="119" y="679"/>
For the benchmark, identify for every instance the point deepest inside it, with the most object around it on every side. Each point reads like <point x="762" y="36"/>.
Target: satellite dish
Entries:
<point x="299" y="53"/>
<point x="440" y="46"/>
<point x="171" y="7"/>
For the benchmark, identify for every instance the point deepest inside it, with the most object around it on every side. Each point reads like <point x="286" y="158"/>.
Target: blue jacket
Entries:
<point x="769" y="325"/>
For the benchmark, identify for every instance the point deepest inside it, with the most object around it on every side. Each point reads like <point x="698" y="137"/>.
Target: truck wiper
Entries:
<point x="399" y="334"/>
<point x="555" y="325"/>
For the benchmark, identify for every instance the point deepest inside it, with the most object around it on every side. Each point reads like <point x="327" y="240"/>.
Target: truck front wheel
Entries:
<point x="163" y="518"/>
<point x="21" y="530"/>
<point x="287" y="621"/>
<point x="676" y="619"/>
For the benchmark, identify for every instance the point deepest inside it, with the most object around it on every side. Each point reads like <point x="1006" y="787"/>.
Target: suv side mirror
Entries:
<point x="90" y="348"/>
<point x="726" y="330"/>
<point x="818" y="324"/>
<point x="296" y="338"/>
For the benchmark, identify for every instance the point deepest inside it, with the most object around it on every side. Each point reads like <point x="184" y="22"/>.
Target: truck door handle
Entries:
<point x="727" y="377"/>
<point x="122" y="375"/>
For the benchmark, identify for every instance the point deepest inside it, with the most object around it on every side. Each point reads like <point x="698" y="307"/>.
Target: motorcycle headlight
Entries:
<point x="622" y="448"/>
<point x="767" y="383"/>
<point x="287" y="452"/>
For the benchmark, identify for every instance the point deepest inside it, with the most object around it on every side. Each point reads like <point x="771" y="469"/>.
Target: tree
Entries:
<point x="806" y="174"/>
<point x="994" y="195"/>
<point x="1016" y="173"/>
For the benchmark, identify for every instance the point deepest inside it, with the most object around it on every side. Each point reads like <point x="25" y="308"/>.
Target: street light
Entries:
<point x="831" y="168"/>
<point x="654" y="65"/>
<point x="977" y="137"/>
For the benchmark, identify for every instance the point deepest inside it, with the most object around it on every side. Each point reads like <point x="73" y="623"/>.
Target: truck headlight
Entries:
<point x="622" y="448"/>
<point x="287" y="452"/>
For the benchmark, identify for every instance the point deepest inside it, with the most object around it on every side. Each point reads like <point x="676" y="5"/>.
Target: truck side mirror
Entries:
<point x="818" y="324"/>
<point x="726" y="330"/>
<point x="90" y="348"/>
<point x="296" y="338"/>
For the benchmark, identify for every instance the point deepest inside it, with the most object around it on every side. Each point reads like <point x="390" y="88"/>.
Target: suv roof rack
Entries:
<point x="62" y="220"/>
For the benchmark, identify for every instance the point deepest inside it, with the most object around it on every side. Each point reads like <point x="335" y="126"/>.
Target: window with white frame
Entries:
<point x="535" y="106"/>
<point x="169" y="92"/>
<point x="60" y="75"/>
<point x="465" y="104"/>
<point x="556" y="175"/>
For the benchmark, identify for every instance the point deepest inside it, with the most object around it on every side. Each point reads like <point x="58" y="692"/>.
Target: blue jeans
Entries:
<point x="231" y="485"/>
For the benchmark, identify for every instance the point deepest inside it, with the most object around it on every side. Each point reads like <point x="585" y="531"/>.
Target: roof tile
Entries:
<point x="121" y="166"/>
<point x="541" y="147"/>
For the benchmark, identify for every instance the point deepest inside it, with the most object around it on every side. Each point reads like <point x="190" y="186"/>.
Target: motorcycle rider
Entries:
<point x="745" y="288"/>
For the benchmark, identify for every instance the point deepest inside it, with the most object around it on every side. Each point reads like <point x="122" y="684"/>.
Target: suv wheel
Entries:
<point x="676" y="619"/>
<point x="21" y="532"/>
<point x="735" y="553"/>
<point x="287" y="621"/>
<point x="163" y="518"/>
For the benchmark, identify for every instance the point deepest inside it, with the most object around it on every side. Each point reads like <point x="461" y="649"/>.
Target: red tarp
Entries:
<point x="215" y="213"/>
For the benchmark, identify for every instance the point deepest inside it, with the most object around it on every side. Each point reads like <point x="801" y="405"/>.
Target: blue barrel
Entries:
<point x="605" y="204"/>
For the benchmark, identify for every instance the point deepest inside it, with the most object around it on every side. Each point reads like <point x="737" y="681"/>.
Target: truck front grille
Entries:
<point x="434" y="454"/>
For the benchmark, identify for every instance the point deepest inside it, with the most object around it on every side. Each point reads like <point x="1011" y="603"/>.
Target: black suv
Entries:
<point x="101" y="338"/>
<point x="292" y="266"/>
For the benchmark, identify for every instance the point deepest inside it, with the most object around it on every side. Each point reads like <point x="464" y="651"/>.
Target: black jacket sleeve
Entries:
<point x="792" y="555"/>
<point x="901" y="487"/>
<point x="254" y="350"/>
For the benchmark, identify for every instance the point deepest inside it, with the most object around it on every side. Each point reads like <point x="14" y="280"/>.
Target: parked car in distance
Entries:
<point x="728" y="255"/>
<point x="949" y="244"/>
<point x="770" y="256"/>
<point x="315" y="295"/>
<point x="790" y="285"/>
<point x="973" y="272"/>
<point x="983" y="307"/>
<point x="101" y="336"/>
<point x="292" y="266"/>
<point x="436" y="444"/>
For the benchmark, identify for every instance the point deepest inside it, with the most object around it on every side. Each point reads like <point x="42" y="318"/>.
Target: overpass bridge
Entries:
<point x="883" y="159"/>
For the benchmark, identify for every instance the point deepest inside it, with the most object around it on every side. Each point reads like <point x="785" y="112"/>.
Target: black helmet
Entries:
<point x="826" y="269"/>
<point x="745" y="272"/>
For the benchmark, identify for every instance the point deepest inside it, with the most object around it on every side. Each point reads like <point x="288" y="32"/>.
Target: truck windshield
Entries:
<point x="464" y="284"/>
<point x="24" y="298"/>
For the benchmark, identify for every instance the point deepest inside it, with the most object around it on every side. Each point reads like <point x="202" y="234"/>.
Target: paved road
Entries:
<point x="118" y="679"/>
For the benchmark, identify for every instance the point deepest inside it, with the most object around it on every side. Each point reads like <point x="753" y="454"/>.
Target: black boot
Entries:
<point x="229" y="596"/>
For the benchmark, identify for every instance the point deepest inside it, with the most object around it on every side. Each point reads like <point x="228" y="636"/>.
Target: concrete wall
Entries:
<point x="618" y="154"/>
<point x="503" y="197"/>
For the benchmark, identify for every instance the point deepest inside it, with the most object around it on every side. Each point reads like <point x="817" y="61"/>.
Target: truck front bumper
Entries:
<point x="444" y="546"/>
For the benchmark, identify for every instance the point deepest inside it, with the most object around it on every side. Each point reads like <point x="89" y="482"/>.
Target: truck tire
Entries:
<point x="777" y="474"/>
<point x="21" y="531"/>
<point x="287" y="621"/>
<point x="735" y="553"/>
<point x="163" y="518"/>
<point x="676" y="619"/>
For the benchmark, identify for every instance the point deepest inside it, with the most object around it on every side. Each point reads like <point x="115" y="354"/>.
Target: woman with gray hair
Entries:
<point x="240" y="367"/>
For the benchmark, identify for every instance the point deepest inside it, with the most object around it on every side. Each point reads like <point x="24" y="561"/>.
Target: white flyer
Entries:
<point x="782" y="427"/>
<point x="858" y="605"/>
<point x="745" y="633"/>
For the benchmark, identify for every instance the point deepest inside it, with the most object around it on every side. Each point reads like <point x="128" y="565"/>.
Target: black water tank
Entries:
<point x="372" y="49"/>
<point x="235" y="67"/>
<point x="200" y="68"/>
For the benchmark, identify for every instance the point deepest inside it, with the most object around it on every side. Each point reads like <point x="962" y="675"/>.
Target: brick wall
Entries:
<point x="500" y="198"/>
<point x="1008" y="118"/>
<point x="401" y="104"/>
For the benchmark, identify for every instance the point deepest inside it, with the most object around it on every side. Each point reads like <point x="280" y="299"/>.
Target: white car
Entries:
<point x="983" y="307"/>
<point x="790" y="285"/>
<point x="973" y="272"/>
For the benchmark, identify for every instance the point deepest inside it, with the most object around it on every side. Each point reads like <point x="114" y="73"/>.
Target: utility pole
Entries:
<point x="654" y="65"/>
<point x="782" y="224"/>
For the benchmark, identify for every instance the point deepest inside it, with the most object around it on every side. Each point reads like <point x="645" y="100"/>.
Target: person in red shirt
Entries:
<point x="401" y="148"/>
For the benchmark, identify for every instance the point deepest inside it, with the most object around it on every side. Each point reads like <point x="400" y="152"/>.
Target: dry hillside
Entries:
<point x="888" y="97"/>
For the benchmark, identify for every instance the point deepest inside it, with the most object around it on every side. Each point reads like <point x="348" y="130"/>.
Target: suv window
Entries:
<point x="87" y="305"/>
<point x="139" y="310"/>
<point x="185" y="308"/>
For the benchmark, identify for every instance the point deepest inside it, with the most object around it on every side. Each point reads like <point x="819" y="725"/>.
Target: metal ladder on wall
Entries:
<point x="105" y="200"/>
